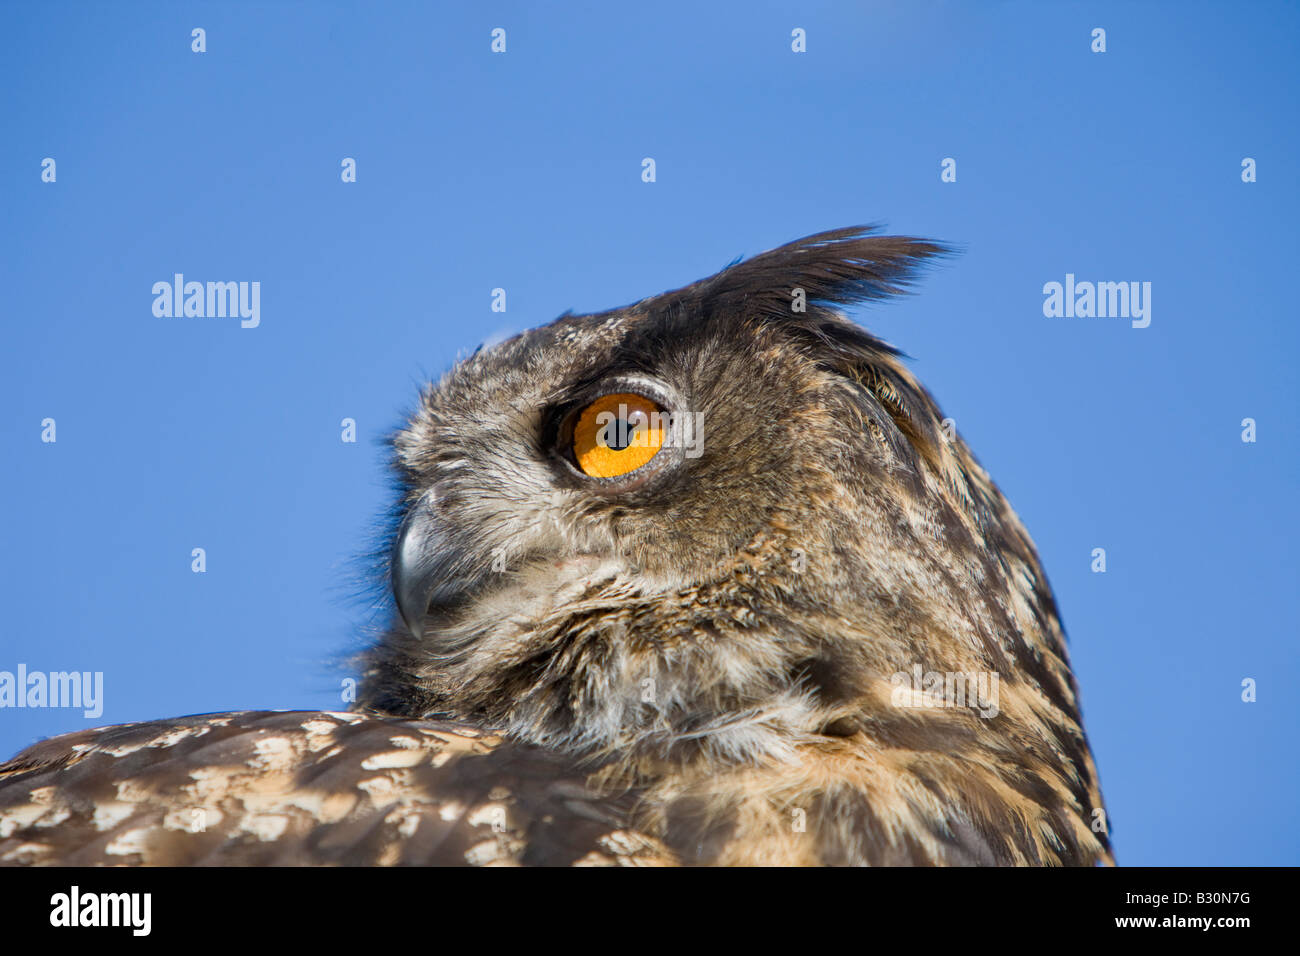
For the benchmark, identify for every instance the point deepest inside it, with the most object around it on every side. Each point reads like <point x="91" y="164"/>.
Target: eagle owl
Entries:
<point x="701" y="580"/>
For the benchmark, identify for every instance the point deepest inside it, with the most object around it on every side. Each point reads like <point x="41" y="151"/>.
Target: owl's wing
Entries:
<point x="305" y="788"/>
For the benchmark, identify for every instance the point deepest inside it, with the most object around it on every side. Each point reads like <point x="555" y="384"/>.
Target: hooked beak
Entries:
<point x="416" y="562"/>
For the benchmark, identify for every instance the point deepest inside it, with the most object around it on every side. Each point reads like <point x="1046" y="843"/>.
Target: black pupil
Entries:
<point x="620" y="435"/>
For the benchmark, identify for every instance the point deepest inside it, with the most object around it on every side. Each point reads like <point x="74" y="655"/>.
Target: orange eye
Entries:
<point x="617" y="434"/>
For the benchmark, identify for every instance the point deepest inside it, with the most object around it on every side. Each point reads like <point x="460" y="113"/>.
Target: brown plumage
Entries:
<point x="709" y="659"/>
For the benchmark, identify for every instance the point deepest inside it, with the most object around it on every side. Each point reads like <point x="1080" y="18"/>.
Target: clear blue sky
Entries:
<point x="522" y="171"/>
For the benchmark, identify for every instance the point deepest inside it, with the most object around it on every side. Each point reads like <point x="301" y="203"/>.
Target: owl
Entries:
<point x="707" y="579"/>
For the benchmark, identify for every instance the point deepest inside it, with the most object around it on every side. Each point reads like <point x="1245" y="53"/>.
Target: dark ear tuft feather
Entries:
<point x="841" y="267"/>
<point x="836" y="269"/>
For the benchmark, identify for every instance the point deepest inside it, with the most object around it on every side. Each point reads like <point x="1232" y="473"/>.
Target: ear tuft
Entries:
<point x="841" y="267"/>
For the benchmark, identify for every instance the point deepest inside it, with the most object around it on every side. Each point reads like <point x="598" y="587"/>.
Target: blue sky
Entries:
<point x="522" y="171"/>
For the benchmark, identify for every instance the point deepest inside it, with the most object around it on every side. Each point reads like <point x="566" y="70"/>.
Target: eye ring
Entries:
<point x="617" y="433"/>
<point x="652" y="396"/>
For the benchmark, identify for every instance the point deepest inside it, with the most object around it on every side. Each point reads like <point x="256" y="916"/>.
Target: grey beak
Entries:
<point x="415" y="563"/>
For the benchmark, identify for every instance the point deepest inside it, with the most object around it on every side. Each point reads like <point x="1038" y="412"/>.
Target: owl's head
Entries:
<point x="713" y="525"/>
